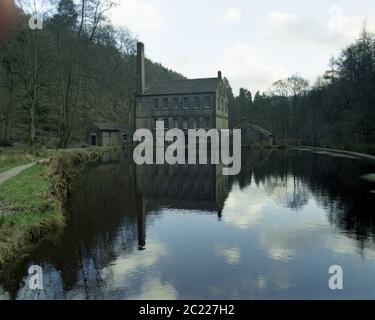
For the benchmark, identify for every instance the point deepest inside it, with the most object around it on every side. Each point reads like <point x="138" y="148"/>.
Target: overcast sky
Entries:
<point x="254" y="43"/>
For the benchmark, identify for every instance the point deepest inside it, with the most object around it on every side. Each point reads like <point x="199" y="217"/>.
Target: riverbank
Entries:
<point x="33" y="203"/>
<point x="29" y="212"/>
<point x="350" y="154"/>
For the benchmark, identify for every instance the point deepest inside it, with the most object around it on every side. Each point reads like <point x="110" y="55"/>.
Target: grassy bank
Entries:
<point x="29" y="211"/>
<point x="32" y="204"/>
<point x="10" y="157"/>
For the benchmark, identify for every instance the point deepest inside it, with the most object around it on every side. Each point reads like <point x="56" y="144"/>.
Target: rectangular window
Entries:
<point x="166" y="124"/>
<point x="185" y="124"/>
<point x="175" y="103"/>
<point x="191" y="123"/>
<point x="186" y="102"/>
<point x="201" y="123"/>
<point x="207" y="102"/>
<point x="196" y="123"/>
<point x="176" y="123"/>
<point x="155" y="103"/>
<point x="197" y="102"/>
<point x="165" y="103"/>
<point x="207" y="123"/>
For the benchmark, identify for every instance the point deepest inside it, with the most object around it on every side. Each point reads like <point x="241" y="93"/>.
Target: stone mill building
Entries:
<point x="184" y="104"/>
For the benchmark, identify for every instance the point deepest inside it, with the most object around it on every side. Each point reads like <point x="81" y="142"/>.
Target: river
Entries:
<point x="188" y="232"/>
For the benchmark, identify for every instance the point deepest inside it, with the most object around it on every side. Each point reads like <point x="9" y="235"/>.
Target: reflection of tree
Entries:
<point x="335" y="184"/>
<point x="105" y="221"/>
<point x="286" y="189"/>
<point x="102" y="223"/>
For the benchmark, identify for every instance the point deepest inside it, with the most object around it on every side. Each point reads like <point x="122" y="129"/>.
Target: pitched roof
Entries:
<point x="183" y="86"/>
<point x="107" y="126"/>
<point x="255" y="128"/>
<point x="261" y="130"/>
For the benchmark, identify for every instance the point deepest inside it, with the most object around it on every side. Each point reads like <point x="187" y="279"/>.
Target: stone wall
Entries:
<point x="181" y="116"/>
<point x="111" y="138"/>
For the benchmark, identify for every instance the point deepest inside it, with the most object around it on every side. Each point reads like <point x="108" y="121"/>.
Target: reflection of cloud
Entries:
<point x="284" y="240"/>
<point x="4" y="295"/>
<point x="231" y="255"/>
<point x="344" y="245"/>
<point x="279" y="244"/>
<point x="124" y="265"/>
<point x="262" y="283"/>
<point x="244" y="208"/>
<point x="281" y="254"/>
<point x="154" y="289"/>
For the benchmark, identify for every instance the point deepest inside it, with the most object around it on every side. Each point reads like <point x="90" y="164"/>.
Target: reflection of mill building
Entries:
<point x="189" y="187"/>
<point x="181" y="187"/>
<point x="184" y="104"/>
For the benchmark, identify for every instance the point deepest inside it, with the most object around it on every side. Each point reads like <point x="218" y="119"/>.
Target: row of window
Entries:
<point x="221" y="105"/>
<point x="187" y="102"/>
<point x="192" y="123"/>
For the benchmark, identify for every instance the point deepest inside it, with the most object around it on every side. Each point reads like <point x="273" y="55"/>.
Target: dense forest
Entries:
<point x="78" y="70"/>
<point x="338" y="111"/>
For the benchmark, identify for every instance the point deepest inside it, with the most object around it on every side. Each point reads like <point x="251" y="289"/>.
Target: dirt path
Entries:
<point x="5" y="176"/>
<point x="9" y="174"/>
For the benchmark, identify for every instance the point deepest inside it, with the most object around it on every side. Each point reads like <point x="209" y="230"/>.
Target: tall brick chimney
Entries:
<point x="140" y="77"/>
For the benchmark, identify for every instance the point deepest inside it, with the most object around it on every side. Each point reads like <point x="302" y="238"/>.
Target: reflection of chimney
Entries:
<point x="219" y="75"/>
<point x="141" y="223"/>
<point x="140" y="78"/>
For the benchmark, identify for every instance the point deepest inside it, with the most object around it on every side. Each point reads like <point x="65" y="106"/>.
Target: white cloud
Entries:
<point x="231" y="255"/>
<point x="244" y="66"/>
<point x="124" y="266"/>
<point x="231" y="15"/>
<point x="336" y="31"/>
<point x="140" y="16"/>
<point x="154" y="289"/>
<point x="243" y="213"/>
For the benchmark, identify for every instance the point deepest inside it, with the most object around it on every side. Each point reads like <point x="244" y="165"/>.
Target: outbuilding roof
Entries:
<point x="107" y="126"/>
<point x="254" y="127"/>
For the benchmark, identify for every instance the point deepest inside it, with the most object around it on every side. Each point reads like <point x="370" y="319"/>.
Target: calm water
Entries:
<point x="187" y="232"/>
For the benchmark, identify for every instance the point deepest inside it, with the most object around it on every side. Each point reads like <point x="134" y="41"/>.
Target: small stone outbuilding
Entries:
<point x="253" y="134"/>
<point x="108" y="134"/>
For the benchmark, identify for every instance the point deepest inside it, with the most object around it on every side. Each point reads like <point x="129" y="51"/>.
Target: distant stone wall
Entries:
<point x="251" y="137"/>
<point x="112" y="138"/>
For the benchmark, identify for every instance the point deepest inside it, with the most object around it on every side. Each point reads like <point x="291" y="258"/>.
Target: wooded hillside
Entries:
<point x="56" y="82"/>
